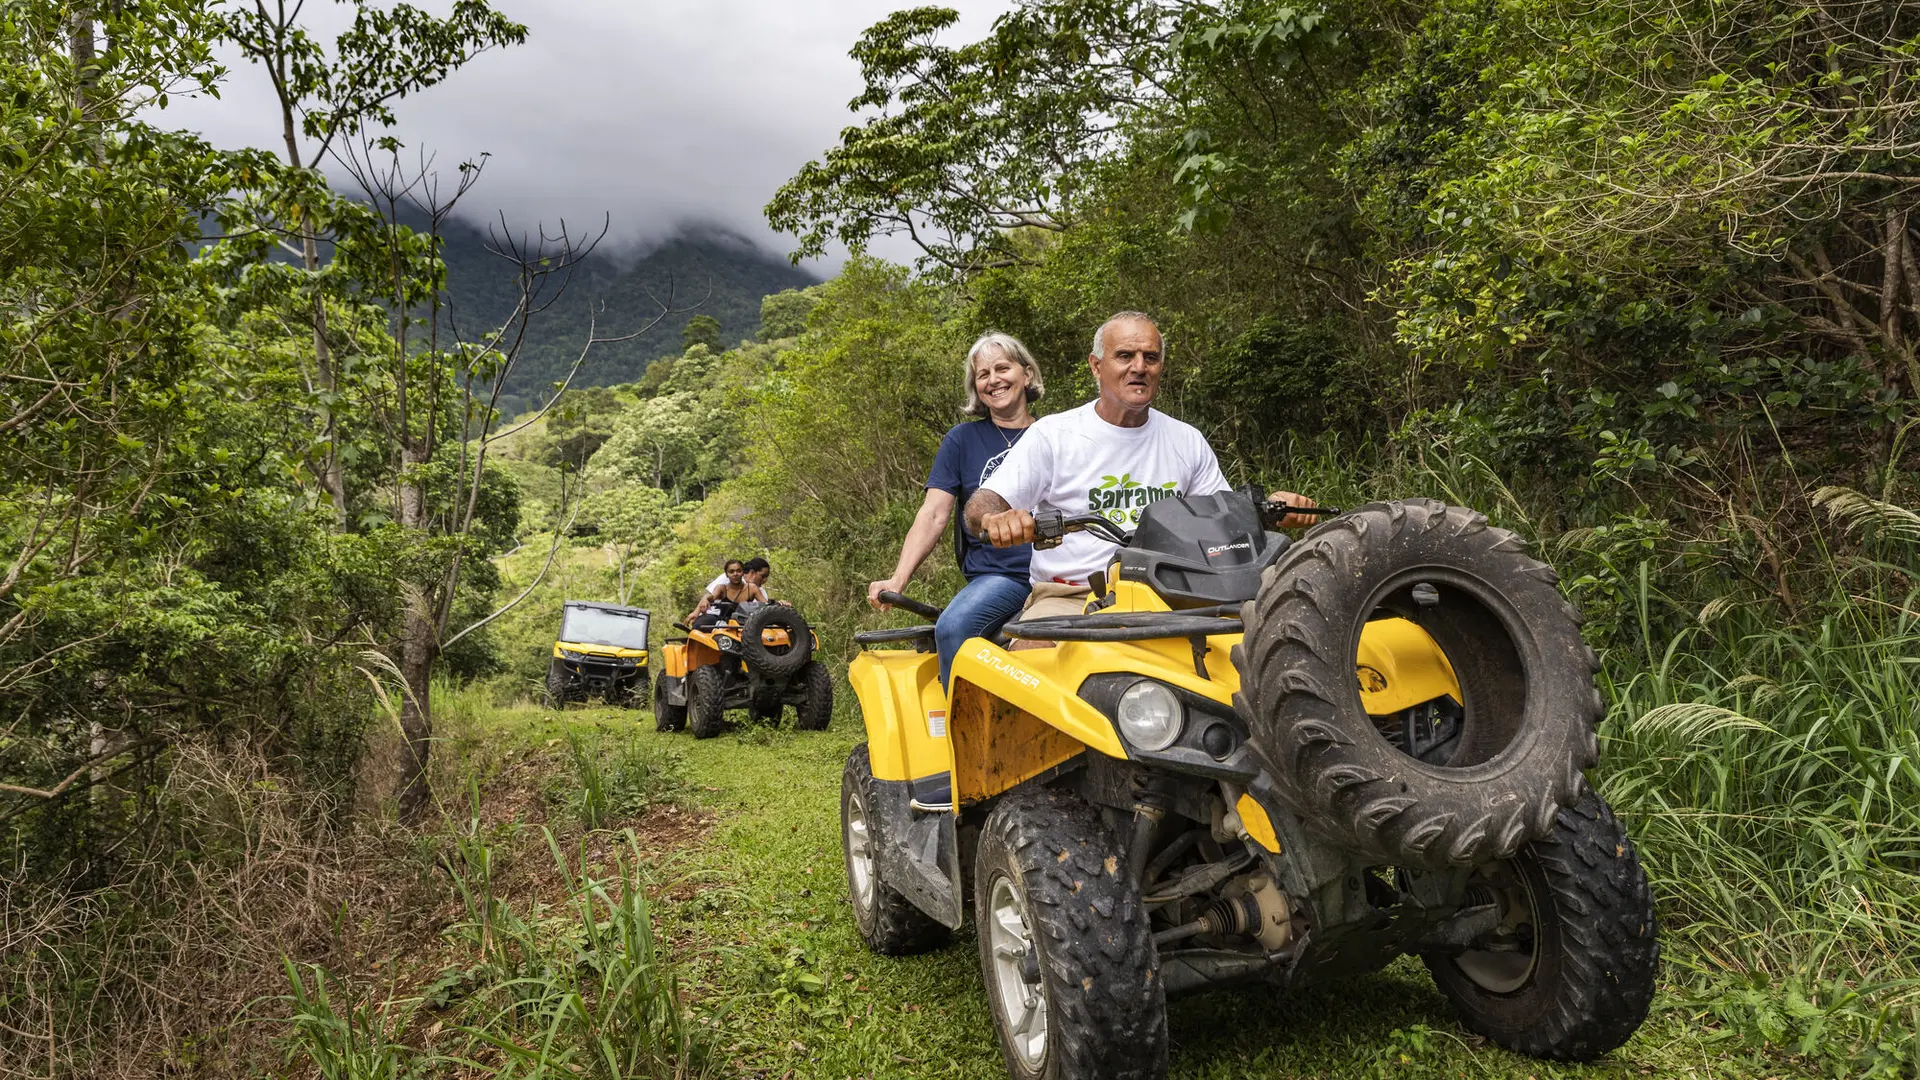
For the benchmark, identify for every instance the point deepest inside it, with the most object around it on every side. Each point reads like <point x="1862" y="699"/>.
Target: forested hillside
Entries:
<point x="1636" y="280"/>
<point x="699" y="272"/>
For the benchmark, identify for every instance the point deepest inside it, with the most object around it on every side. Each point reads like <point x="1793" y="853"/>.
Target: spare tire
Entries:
<point x="1525" y="675"/>
<point x="778" y="662"/>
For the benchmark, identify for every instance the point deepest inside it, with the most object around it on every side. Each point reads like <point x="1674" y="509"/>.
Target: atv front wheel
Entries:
<point x="666" y="715"/>
<point x="1072" y="977"/>
<point x="1568" y="975"/>
<point x="817" y="711"/>
<point x="888" y="922"/>
<point x="556" y="684"/>
<point x="706" y="701"/>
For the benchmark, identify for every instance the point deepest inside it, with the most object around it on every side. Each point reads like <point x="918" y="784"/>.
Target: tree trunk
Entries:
<point x="419" y="646"/>
<point x="332" y="481"/>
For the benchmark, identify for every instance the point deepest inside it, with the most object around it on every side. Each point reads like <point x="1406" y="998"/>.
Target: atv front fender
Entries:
<point x="1001" y="675"/>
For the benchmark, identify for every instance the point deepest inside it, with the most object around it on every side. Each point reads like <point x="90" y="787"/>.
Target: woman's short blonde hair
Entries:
<point x="1010" y="346"/>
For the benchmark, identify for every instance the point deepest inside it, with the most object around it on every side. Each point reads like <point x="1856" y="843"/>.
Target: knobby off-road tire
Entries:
<point x="666" y="715"/>
<point x="888" y="922"/>
<point x="816" y="712"/>
<point x="1098" y="977"/>
<point x="706" y="702"/>
<point x="636" y="695"/>
<point x="766" y="661"/>
<point x="1514" y="642"/>
<point x="1594" y="948"/>
<point x="556" y="684"/>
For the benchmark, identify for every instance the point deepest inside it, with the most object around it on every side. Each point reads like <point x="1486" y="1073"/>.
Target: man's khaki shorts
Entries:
<point x="1050" y="598"/>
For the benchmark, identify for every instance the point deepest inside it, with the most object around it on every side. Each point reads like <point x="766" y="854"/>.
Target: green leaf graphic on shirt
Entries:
<point x="1109" y="481"/>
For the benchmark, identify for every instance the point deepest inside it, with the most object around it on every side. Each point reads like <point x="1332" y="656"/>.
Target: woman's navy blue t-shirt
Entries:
<point x="968" y="455"/>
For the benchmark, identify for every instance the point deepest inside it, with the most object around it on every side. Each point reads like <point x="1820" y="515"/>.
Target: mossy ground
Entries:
<point x="762" y="927"/>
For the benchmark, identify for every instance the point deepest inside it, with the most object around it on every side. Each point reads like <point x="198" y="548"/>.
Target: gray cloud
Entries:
<point x="661" y="114"/>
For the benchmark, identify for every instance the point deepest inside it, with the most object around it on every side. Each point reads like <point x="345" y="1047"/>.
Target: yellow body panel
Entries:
<point x="1399" y="666"/>
<point x="673" y="660"/>
<point x="905" y="712"/>
<point x="1258" y="824"/>
<point x="592" y="649"/>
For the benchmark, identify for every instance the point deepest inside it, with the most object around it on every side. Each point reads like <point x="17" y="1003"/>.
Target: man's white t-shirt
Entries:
<point x="1077" y="463"/>
<point x="716" y="583"/>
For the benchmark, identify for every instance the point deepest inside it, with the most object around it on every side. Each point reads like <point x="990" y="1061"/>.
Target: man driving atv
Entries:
<point x="1113" y="456"/>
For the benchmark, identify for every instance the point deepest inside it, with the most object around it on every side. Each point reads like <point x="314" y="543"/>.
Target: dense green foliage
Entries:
<point x="1637" y="280"/>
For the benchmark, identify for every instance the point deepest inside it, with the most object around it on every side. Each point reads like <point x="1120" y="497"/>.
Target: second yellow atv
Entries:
<point x="1256" y="761"/>
<point x="752" y="656"/>
<point x="602" y="649"/>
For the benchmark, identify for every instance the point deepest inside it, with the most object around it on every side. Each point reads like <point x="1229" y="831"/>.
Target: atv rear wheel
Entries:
<point x="1569" y="973"/>
<point x="706" y="701"/>
<point x="1072" y="977"/>
<point x="817" y="711"/>
<point x="888" y="922"/>
<point x="1514" y="644"/>
<point x="556" y="694"/>
<point x="666" y="715"/>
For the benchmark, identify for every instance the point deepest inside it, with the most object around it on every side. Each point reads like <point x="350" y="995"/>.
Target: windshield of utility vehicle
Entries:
<point x="598" y="626"/>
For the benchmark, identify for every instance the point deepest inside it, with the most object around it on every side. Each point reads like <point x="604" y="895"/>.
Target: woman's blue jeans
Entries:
<point x="978" y="610"/>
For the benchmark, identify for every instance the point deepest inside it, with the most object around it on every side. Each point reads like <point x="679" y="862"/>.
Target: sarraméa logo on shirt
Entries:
<point x="1120" y="499"/>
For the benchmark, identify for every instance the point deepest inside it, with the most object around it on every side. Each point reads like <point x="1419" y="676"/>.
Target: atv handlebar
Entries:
<point x="925" y="611"/>
<point x="1272" y="513"/>
<point x="1051" y="526"/>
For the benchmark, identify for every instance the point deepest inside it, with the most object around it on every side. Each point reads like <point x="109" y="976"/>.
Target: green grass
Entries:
<point x="769" y="934"/>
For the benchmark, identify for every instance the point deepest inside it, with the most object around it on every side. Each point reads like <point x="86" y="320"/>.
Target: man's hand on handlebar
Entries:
<point x="1009" y="528"/>
<point x="1294" y="521"/>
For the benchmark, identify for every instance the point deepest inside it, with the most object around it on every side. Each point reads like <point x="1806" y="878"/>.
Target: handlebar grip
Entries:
<point x="925" y="611"/>
<point x="1049" y="528"/>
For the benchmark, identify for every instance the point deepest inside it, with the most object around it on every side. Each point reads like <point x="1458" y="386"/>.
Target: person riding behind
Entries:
<point x="758" y="571"/>
<point x="732" y="586"/>
<point x="1001" y="380"/>
<point x="1112" y="456"/>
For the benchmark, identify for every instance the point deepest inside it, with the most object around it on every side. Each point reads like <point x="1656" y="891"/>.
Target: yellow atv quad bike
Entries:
<point x="601" y="650"/>
<point x="1256" y="761"/>
<point x="751" y="656"/>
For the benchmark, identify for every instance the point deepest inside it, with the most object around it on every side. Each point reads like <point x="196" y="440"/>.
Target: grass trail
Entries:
<point x="764" y="926"/>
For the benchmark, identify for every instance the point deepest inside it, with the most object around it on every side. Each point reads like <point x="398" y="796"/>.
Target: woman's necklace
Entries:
<point x="1000" y="431"/>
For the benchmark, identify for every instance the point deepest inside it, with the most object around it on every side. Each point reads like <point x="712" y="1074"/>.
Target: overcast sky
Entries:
<point x="661" y="112"/>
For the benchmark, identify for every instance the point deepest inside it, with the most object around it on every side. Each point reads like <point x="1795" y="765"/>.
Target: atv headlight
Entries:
<point x="726" y="644"/>
<point x="571" y="655"/>
<point x="1149" y="715"/>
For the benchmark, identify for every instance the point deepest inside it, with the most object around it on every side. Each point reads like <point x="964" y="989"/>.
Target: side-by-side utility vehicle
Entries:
<point x="753" y="656"/>
<point x="1255" y="760"/>
<point x="601" y="650"/>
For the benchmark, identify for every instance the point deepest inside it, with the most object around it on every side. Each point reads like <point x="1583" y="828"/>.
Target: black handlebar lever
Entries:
<point x="924" y="610"/>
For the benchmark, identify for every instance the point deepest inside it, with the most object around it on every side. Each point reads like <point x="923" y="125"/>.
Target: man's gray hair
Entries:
<point x="1100" y="335"/>
<point x="1011" y="348"/>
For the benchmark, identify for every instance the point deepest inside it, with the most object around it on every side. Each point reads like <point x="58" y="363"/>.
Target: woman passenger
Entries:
<point x="1001" y="379"/>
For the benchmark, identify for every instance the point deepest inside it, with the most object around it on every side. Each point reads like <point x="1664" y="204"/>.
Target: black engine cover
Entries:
<point x="1201" y="550"/>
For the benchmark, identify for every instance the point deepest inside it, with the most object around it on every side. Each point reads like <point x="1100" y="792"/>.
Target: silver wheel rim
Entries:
<point x="1506" y="972"/>
<point x="860" y="853"/>
<point x="1022" y="1004"/>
